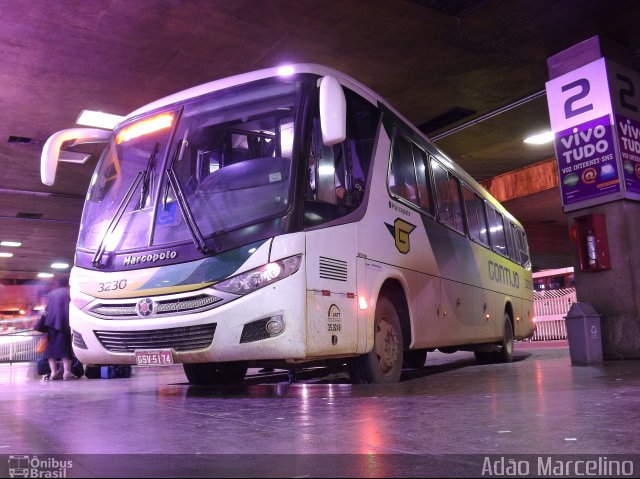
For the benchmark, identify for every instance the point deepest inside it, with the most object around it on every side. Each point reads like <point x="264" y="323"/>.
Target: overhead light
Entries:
<point x="5" y="255"/>
<point x="45" y="275"/>
<point x="98" y="119"/>
<point x="11" y="244"/>
<point x="59" y="265"/>
<point x="540" y="138"/>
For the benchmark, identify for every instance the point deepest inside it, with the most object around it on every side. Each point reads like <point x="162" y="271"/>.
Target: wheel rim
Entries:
<point x="386" y="345"/>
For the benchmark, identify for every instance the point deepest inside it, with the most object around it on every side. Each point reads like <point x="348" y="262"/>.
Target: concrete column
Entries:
<point x="575" y="100"/>
<point x="615" y="293"/>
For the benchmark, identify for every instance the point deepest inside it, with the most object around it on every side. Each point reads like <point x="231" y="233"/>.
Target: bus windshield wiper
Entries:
<point x="97" y="258"/>
<point x="195" y="232"/>
<point x="144" y="177"/>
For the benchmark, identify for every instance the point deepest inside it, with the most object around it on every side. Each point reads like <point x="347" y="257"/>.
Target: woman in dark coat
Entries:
<point x="59" y="332"/>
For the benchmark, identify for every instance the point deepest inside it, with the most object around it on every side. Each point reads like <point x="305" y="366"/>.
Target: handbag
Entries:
<point x="40" y="326"/>
<point x="41" y="347"/>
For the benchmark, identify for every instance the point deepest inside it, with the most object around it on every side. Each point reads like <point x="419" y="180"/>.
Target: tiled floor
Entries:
<point x="450" y="413"/>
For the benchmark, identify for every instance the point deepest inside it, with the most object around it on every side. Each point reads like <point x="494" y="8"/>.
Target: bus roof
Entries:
<point x="321" y="70"/>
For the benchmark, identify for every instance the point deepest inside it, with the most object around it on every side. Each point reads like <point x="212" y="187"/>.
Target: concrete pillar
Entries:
<point x="605" y="96"/>
<point x="615" y="293"/>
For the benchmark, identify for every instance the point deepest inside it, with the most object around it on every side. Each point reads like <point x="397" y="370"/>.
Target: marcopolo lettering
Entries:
<point x="149" y="258"/>
<point x="503" y="275"/>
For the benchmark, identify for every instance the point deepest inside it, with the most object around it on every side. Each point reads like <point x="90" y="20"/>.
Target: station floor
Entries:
<point x="442" y="420"/>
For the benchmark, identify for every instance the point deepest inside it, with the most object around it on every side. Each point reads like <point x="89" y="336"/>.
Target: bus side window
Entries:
<point x="422" y="174"/>
<point x="496" y="227"/>
<point x="511" y="244"/>
<point x="336" y="176"/>
<point x="448" y="197"/>
<point x="524" y="249"/>
<point x="476" y="218"/>
<point x="402" y="174"/>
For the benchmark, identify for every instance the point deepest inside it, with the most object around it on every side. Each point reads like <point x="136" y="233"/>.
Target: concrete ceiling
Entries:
<point x="426" y="57"/>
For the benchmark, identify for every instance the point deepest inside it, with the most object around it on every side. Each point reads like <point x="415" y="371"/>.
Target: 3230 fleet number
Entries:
<point x="112" y="285"/>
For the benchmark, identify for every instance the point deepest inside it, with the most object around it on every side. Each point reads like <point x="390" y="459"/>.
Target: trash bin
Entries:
<point x="583" y="332"/>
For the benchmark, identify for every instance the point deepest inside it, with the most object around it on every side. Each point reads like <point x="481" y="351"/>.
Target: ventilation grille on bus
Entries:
<point x="166" y="307"/>
<point x="78" y="340"/>
<point x="180" y="339"/>
<point x="335" y="269"/>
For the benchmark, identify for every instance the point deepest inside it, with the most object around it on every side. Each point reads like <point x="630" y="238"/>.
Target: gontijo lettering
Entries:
<point x="503" y="275"/>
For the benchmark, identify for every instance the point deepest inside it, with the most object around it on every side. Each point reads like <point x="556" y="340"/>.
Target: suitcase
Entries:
<point x="108" y="372"/>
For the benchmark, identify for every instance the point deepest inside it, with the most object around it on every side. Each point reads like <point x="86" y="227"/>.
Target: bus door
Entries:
<point x="332" y="325"/>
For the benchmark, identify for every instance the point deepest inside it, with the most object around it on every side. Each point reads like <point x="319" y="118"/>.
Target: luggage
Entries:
<point x="108" y="372"/>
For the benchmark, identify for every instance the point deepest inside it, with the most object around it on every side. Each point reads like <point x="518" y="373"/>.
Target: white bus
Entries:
<point x="285" y="216"/>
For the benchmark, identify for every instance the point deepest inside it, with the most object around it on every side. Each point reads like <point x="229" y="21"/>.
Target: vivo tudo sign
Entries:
<point x="149" y="258"/>
<point x="595" y="117"/>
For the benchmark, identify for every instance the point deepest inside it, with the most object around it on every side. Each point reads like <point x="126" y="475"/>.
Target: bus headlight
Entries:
<point x="260" y="277"/>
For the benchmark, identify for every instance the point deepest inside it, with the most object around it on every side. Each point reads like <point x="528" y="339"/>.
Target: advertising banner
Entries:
<point x="587" y="161"/>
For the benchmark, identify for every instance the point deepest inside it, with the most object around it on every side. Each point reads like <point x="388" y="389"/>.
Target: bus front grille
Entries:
<point x="165" y="307"/>
<point x="179" y="339"/>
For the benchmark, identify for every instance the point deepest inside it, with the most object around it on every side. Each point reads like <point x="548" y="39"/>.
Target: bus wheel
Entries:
<point x="505" y="353"/>
<point x="384" y="363"/>
<point x="210" y="374"/>
<point x="506" y="347"/>
<point x="415" y="358"/>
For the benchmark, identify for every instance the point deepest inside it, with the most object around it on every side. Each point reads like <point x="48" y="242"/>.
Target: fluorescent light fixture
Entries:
<point x="5" y="255"/>
<point x="540" y="138"/>
<point x="59" y="265"/>
<point x="98" y="119"/>
<point x="11" y="244"/>
<point x="45" y="275"/>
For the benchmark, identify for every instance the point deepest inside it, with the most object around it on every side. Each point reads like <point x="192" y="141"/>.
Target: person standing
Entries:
<point x="59" y="332"/>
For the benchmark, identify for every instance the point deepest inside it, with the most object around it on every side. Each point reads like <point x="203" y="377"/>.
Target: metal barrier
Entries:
<point x="19" y="346"/>
<point x="550" y="309"/>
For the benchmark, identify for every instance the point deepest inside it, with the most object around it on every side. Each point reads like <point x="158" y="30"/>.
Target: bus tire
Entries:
<point x="415" y="358"/>
<point x="383" y="364"/>
<point x="506" y="346"/>
<point x="211" y="374"/>
<point x="505" y="352"/>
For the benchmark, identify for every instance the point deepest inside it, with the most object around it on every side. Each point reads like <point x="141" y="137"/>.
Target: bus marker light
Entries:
<point x="362" y="303"/>
<point x="351" y="295"/>
<point x="326" y="292"/>
<point x="487" y="316"/>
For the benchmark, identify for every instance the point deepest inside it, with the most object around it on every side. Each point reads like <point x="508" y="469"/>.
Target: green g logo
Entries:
<point x="401" y="231"/>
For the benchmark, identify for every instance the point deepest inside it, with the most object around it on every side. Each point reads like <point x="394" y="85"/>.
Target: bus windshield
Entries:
<point x="229" y="155"/>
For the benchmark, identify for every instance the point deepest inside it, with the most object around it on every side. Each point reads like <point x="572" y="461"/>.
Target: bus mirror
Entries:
<point x="51" y="150"/>
<point x="333" y="111"/>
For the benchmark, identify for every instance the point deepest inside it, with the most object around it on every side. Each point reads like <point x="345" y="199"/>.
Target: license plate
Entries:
<point x="154" y="357"/>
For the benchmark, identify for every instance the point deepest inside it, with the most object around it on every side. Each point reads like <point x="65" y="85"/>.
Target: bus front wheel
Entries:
<point x="211" y="374"/>
<point x="384" y="363"/>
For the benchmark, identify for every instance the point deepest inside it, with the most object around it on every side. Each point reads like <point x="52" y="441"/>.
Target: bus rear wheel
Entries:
<point x="505" y="351"/>
<point x="211" y="374"/>
<point x="384" y="363"/>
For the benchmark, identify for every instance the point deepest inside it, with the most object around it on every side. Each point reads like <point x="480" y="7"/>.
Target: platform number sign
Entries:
<point x="583" y="88"/>
<point x="626" y="106"/>
<point x="581" y="114"/>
